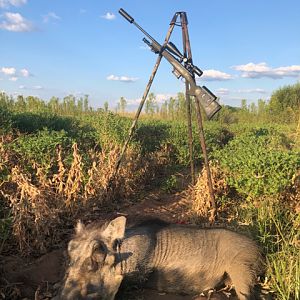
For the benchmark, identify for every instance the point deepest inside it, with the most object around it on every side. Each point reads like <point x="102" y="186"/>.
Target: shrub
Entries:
<point x="30" y="123"/>
<point x="39" y="147"/>
<point x="259" y="163"/>
<point x="216" y="137"/>
<point x="5" y="120"/>
<point x="152" y="134"/>
<point x="109" y="127"/>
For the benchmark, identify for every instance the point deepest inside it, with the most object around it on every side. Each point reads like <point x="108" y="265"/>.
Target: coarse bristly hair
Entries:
<point x="178" y="258"/>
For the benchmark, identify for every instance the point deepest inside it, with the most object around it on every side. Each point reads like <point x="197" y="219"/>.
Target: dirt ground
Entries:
<point x="40" y="279"/>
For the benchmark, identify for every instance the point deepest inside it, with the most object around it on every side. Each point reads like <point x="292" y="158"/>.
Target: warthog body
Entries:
<point x="174" y="258"/>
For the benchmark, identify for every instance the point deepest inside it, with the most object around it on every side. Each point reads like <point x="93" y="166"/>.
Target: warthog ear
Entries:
<point x="79" y="227"/>
<point x="115" y="229"/>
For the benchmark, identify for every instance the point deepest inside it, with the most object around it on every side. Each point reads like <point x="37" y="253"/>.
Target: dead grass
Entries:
<point x="43" y="202"/>
<point x="201" y="210"/>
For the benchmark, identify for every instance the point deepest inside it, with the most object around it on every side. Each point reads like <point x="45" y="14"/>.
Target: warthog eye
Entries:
<point x="90" y="265"/>
<point x="100" y="246"/>
<point x="99" y="252"/>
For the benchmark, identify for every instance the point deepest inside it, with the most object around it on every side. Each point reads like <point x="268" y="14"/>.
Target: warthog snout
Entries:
<point x="174" y="258"/>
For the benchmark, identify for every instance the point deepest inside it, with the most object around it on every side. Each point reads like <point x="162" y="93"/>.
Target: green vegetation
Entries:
<point x="262" y="163"/>
<point x="58" y="157"/>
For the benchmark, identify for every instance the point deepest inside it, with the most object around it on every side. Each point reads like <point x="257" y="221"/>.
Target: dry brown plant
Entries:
<point x="42" y="199"/>
<point x="58" y="178"/>
<point x="132" y="174"/>
<point x="73" y="184"/>
<point x="124" y="184"/>
<point x="30" y="204"/>
<point x="291" y="197"/>
<point x="100" y="172"/>
<point x="199" y="193"/>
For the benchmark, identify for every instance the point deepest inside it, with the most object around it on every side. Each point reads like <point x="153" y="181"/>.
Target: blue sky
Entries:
<point x="247" y="49"/>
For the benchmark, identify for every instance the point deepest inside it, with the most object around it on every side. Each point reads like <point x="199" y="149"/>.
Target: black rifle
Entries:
<point x="188" y="71"/>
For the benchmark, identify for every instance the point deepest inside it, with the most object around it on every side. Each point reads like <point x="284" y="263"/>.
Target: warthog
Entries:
<point x="174" y="258"/>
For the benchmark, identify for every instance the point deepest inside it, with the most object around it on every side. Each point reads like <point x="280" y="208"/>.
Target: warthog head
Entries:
<point x="92" y="272"/>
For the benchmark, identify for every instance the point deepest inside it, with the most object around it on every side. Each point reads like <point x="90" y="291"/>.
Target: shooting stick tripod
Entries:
<point x="187" y="54"/>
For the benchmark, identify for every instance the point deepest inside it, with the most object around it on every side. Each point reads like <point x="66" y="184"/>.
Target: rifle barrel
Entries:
<point x="131" y="20"/>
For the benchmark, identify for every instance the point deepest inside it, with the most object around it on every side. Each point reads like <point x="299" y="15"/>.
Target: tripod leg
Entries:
<point x="134" y="123"/>
<point x="188" y="52"/>
<point x="190" y="132"/>
<point x="206" y="162"/>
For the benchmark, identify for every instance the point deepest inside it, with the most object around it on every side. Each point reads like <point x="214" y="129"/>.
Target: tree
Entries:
<point x="86" y="103"/>
<point x="244" y="105"/>
<point x="181" y="105"/>
<point x="150" y="104"/>
<point x="171" y="108"/>
<point x="105" y="106"/>
<point x="53" y="104"/>
<point x="262" y="110"/>
<point x="164" y="110"/>
<point x="253" y="108"/>
<point x="283" y="101"/>
<point x="122" y="105"/>
<point x="69" y="104"/>
<point x="20" y="103"/>
<point x="80" y="105"/>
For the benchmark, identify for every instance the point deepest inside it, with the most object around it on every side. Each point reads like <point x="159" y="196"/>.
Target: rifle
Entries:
<point x="182" y="67"/>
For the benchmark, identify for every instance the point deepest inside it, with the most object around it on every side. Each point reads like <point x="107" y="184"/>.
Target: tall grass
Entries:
<point x="277" y="228"/>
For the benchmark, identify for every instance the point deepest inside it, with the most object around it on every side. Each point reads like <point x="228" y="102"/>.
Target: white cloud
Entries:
<point x="11" y="71"/>
<point x="252" y="70"/>
<point x="252" y="91"/>
<point x="214" y="75"/>
<point x="50" y="16"/>
<point x="14" y="78"/>
<point x="160" y="99"/>
<point x="133" y="101"/>
<point x="7" y="3"/>
<point x="37" y="87"/>
<point x="108" y="16"/>
<point x="8" y="70"/>
<point x="15" y="22"/>
<point x="222" y="91"/>
<point x="24" y="72"/>
<point x="121" y="78"/>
